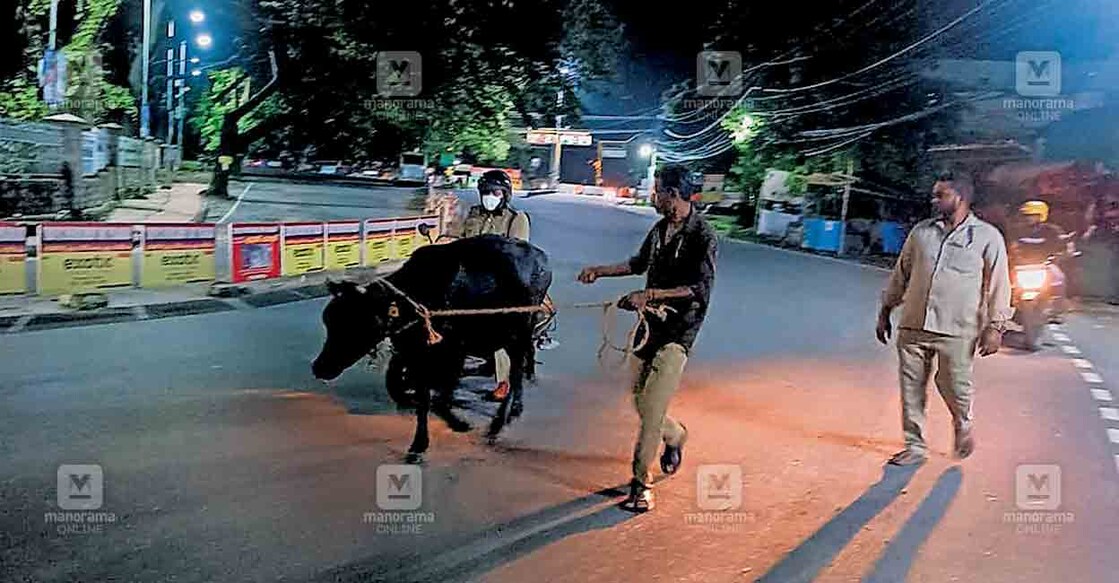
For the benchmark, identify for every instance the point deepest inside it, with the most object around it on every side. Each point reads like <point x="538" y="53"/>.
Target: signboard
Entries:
<point x="303" y="246"/>
<point x="254" y="251"/>
<point x="82" y="257"/>
<point x="13" y="253"/>
<point x="566" y="138"/>
<point x="613" y="153"/>
<point x="379" y="246"/>
<point x="343" y="245"/>
<point x="177" y="254"/>
<point x="406" y="238"/>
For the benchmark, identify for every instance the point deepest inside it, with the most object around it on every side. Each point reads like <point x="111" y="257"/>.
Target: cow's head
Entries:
<point x="356" y="320"/>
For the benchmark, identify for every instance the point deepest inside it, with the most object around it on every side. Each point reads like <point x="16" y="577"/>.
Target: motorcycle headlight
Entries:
<point x="1031" y="278"/>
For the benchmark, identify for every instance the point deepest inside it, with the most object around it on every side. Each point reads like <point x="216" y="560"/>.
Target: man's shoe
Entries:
<point x="499" y="392"/>
<point x="673" y="456"/>
<point x="908" y="457"/>
<point x="640" y="498"/>
<point x="965" y="443"/>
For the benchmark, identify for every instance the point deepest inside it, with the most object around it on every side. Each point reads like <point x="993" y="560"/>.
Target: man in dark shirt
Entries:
<point x="678" y="256"/>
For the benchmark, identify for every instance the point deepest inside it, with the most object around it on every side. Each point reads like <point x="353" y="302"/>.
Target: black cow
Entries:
<point x="479" y="272"/>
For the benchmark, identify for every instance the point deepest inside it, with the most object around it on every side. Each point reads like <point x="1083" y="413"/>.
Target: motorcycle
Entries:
<point x="1038" y="289"/>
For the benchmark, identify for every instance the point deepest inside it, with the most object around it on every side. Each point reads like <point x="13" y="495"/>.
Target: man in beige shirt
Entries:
<point x="953" y="280"/>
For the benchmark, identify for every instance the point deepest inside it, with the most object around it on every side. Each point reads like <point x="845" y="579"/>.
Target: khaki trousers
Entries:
<point x="502" y="366"/>
<point x="655" y="381"/>
<point x="953" y="355"/>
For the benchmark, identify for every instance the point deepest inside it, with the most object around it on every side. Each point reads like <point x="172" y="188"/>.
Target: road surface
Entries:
<point x="223" y="460"/>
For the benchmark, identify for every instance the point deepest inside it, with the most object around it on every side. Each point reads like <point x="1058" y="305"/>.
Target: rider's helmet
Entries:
<point x="1035" y="208"/>
<point x="496" y="188"/>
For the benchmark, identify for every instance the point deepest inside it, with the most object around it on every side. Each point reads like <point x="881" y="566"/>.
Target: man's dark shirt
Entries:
<point x="688" y="259"/>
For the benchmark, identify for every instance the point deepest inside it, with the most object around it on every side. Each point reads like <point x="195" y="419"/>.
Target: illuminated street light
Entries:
<point x="205" y="41"/>
<point x="197" y="16"/>
<point x="196" y="73"/>
<point x="645" y="150"/>
<point x="195" y="60"/>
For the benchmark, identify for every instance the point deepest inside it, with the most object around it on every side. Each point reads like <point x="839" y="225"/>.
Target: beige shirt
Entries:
<point x="508" y="222"/>
<point x="951" y="282"/>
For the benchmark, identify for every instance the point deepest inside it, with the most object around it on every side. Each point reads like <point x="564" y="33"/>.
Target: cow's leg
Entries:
<point x="423" y="404"/>
<point x="446" y="378"/>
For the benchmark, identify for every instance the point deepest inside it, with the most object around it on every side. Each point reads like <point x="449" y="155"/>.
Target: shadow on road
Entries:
<point x="806" y="561"/>
<point x="898" y="557"/>
<point x="494" y="546"/>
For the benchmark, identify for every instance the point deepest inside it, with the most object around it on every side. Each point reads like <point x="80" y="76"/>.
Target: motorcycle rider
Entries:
<point x="1039" y="239"/>
<point x="495" y="216"/>
<point x="1040" y="242"/>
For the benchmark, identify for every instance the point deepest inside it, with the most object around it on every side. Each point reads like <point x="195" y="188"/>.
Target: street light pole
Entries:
<point x="145" y="107"/>
<point x="54" y="25"/>
<point x="557" y="148"/>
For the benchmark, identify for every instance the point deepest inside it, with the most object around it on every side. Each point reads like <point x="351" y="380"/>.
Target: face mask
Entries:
<point x="491" y="202"/>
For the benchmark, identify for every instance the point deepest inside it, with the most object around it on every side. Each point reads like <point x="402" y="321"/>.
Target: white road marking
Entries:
<point x="1101" y="394"/>
<point x="1054" y="327"/>
<point x="1070" y="349"/>
<point x="1082" y="364"/>
<point x="1061" y="337"/>
<point x="233" y="208"/>
<point x="1113" y="435"/>
<point x="1109" y="413"/>
<point x="1091" y="378"/>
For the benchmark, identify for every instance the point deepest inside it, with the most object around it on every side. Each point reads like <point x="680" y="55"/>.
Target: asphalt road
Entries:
<point x="223" y="460"/>
<point x="263" y="200"/>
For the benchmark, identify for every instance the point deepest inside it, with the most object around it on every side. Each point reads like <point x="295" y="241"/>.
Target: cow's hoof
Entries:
<point x="414" y="458"/>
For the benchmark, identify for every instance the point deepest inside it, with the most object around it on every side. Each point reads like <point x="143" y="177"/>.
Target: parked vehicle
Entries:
<point x="413" y="168"/>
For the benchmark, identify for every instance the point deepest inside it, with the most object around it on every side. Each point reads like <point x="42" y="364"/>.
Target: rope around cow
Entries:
<point x="609" y="316"/>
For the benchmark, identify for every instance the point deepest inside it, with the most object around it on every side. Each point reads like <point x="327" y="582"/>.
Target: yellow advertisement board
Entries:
<point x="343" y="245"/>
<point x="405" y="238"/>
<point x="379" y="243"/>
<point x="82" y="257"/>
<point x="304" y="248"/>
<point x="13" y="253"/>
<point x="177" y="254"/>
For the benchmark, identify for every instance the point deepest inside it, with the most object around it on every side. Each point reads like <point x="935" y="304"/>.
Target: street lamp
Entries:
<point x="196" y="73"/>
<point x="195" y="60"/>
<point x="204" y="40"/>
<point x="645" y="150"/>
<point x="197" y="16"/>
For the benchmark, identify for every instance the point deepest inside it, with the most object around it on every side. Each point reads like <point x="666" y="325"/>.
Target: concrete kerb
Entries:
<point x="20" y="314"/>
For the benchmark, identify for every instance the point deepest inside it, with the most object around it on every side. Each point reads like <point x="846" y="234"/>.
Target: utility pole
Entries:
<point x="557" y="148"/>
<point x="846" y="202"/>
<point x="145" y="106"/>
<point x="54" y="25"/>
<point x="180" y="111"/>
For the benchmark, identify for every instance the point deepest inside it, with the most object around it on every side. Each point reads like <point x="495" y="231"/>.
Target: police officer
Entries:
<point x="494" y="216"/>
